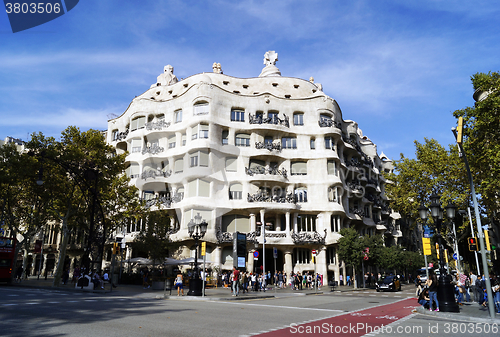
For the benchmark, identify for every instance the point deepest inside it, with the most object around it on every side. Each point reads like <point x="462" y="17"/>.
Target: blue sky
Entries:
<point x="398" y="68"/>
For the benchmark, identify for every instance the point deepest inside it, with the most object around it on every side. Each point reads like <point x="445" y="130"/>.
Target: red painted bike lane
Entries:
<point x="352" y="324"/>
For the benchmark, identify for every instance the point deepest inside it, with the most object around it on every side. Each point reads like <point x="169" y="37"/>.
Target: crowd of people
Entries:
<point x="468" y="288"/>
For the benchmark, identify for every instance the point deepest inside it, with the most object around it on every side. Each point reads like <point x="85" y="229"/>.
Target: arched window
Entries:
<point x="201" y="108"/>
<point x="298" y="168"/>
<point x="301" y="194"/>
<point x="242" y="139"/>
<point x="236" y="191"/>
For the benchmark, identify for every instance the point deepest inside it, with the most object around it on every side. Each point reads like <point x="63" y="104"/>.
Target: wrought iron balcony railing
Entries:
<point x="308" y="237"/>
<point x="159" y="125"/>
<point x="264" y="197"/>
<point x="266" y="170"/>
<point x="153" y="149"/>
<point x="153" y="174"/>
<point x="260" y="119"/>
<point x="268" y="146"/>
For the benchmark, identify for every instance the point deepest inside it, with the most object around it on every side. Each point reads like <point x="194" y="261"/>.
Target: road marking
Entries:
<point x="8" y="304"/>
<point x="279" y="306"/>
<point x="53" y="302"/>
<point x="12" y="295"/>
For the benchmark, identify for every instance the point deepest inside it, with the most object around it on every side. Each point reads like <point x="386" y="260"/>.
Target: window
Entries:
<point x="235" y="222"/>
<point x="306" y="223"/>
<point x="313" y="143"/>
<point x="171" y="142"/>
<point x="178" y="116"/>
<point x="199" y="188"/>
<point x="238" y="115"/>
<point x="331" y="166"/>
<point x="257" y="165"/>
<point x="178" y="165"/>
<point x="325" y="119"/>
<point x="268" y="140"/>
<point x="183" y="139"/>
<point x="335" y="224"/>
<point x="289" y="143"/>
<point x="301" y="256"/>
<point x="328" y="142"/>
<point x="198" y="158"/>
<point x="194" y="132"/>
<point x="148" y="195"/>
<point x="201" y="109"/>
<point x="133" y="171"/>
<point x="138" y="123"/>
<point x="242" y="139"/>
<point x="231" y="164"/>
<point x="203" y="131"/>
<point x="298" y="168"/>
<point x="333" y="194"/>
<point x="298" y="119"/>
<point x="273" y="116"/>
<point x="301" y="194"/>
<point x="136" y="145"/>
<point x="330" y="255"/>
<point x="236" y="192"/>
<point x="115" y="134"/>
<point x="225" y="137"/>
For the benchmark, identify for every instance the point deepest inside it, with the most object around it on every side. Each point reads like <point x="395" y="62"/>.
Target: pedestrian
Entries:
<point x="76" y="275"/>
<point x="495" y="288"/>
<point x="244" y="281"/>
<point x="341" y="280"/>
<point x="299" y="276"/>
<point x="145" y="278"/>
<point x="235" y="277"/>
<point x="423" y="298"/>
<point x="472" y="288"/>
<point x="179" y="284"/>
<point x="432" y="284"/>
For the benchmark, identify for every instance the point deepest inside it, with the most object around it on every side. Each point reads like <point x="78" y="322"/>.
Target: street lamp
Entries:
<point x="197" y="230"/>
<point x="445" y="291"/>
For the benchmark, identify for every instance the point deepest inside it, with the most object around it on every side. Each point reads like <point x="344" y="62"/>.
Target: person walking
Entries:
<point x="235" y="277"/>
<point x="432" y="284"/>
<point x="178" y="284"/>
<point x="473" y="288"/>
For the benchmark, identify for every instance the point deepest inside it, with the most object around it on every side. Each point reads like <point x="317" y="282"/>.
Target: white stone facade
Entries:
<point x="246" y="151"/>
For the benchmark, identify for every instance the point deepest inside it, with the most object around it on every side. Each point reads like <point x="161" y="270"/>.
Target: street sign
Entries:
<point x="203" y="248"/>
<point x="426" y="242"/>
<point x="313" y="252"/>
<point x="275" y="252"/>
<point x="256" y="254"/>
<point x="455" y="257"/>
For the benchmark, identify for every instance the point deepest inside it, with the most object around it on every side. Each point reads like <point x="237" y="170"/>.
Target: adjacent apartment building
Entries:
<point x="248" y="154"/>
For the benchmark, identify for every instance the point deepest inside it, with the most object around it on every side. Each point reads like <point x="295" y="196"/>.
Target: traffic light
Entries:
<point x="487" y="239"/>
<point x="460" y="129"/>
<point x="116" y="248"/>
<point x="472" y="244"/>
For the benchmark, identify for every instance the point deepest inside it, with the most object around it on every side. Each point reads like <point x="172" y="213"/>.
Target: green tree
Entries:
<point x="89" y="189"/>
<point x="482" y="143"/>
<point x="155" y="237"/>
<point x="350" y="248"/>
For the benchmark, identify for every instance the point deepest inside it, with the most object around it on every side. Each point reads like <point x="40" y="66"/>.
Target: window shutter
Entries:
<point x="179" y="165"/>
<point x="231" y="164"/>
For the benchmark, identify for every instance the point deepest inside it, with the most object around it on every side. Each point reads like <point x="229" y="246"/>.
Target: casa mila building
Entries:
<point x="266" y="156"/>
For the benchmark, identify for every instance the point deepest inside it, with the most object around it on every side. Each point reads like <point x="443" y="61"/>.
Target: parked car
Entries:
<point x="390" y="283"/>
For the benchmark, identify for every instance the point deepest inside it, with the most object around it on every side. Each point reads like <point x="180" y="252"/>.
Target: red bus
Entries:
<point x="7" y="258"/>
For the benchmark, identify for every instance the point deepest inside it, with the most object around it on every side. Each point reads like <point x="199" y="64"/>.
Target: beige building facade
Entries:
<point x="249" y="154"/>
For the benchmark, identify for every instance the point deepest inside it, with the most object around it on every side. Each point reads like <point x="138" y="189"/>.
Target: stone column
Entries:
<point x="217" y="256"/>
<point x="321" y="266"/>
<point x="344" y="273"/>
<point x="253" y="227"/>
<point x="288" y="268"/>
<point x="250" y="263"/>
<point x="295" y="226"/>
<point x="287" y="220"/>
<point x="336" y="267"/>
<point x="44" y="266"/>
<point x="278" y="223"/>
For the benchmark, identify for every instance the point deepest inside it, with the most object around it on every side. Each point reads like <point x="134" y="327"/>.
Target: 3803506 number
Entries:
<point x="25" y="7"/>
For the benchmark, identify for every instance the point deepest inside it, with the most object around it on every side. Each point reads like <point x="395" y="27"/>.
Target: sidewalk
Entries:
<point x="471" y="312"/>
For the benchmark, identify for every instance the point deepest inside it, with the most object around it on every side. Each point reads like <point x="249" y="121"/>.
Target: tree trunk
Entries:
<point x="354" y="277"/>
<point x="62" y="251"/>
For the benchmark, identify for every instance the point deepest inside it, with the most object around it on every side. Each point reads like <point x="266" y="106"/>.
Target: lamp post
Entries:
<point x="445" y="291"/>
<point x="197" y="230"/>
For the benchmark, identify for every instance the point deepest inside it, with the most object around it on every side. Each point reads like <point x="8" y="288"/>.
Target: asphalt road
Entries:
<point x="44" y="312"/>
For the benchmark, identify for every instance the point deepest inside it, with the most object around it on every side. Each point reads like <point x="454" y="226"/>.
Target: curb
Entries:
<point x="456" y="316"/>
